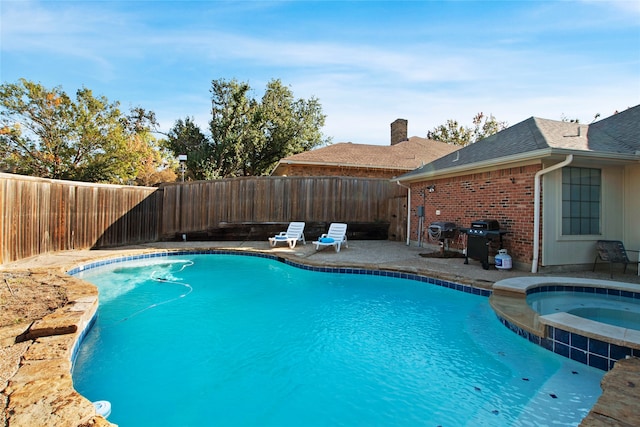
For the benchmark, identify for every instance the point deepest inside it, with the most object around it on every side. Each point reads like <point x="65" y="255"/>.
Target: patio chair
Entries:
<point x="613" y="252"/>
<point x="294" y="233"/>
<point x="336" y="237"/>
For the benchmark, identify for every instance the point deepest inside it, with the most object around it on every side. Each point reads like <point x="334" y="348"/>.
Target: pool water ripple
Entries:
<point x="262" y="343"/>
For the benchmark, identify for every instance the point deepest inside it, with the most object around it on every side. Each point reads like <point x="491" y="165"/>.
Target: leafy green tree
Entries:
<point x="32" y="129"/>
<point x="231" y="126"/>
<point x="286" y="126"/>
<point x="157" y="163"/>
<point x="45" y="133"/>
<point x="248" y="136"/>
<point x="453" y="133"/>
<point x="186" y="138"/>
<point x="485" y="126"/>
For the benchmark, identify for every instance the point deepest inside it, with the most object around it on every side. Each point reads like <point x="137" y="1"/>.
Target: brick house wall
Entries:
<point x="506" y="195"/>
<point x="321" y="170"/>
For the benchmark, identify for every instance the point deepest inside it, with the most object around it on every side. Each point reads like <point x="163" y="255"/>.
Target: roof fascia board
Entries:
<point x="461" y="171"/>
<point x="348" y="165"/>
<point x="521" y="158"/>
<point x="531" y="157"/>
<point x="620" y="157"/>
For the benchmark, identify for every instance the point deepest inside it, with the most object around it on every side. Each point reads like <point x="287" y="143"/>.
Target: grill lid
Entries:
<point x="443" y="225"/>
<point x="485" y="224"/>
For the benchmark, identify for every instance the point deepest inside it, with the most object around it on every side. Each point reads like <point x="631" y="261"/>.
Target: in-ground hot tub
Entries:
<point x="613" y="307"/>
<point x="596" y="322"/>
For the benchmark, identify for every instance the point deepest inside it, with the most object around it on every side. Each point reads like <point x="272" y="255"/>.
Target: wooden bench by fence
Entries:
<point x="255" y="231"/>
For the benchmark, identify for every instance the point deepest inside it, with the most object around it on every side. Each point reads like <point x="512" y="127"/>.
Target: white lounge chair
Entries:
<point x="336" y="237"/>
<point x="294" y="233"/>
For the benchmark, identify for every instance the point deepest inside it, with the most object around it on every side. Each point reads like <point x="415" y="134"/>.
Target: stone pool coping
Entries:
<point x="39" y="390"/>
<point x="36" y="386"/>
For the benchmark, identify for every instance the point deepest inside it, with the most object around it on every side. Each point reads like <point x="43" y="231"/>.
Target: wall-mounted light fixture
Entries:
<point x="513" y="180"/>
<point x="431" y="188"/>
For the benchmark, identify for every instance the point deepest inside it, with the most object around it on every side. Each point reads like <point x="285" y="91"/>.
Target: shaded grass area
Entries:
<point x="24" y="298"/>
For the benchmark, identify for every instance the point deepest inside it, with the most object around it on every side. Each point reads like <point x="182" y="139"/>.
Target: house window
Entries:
<point x="581" y="189"/>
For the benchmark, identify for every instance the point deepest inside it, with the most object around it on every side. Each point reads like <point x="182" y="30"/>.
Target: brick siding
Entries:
<point x="505" y="195"/>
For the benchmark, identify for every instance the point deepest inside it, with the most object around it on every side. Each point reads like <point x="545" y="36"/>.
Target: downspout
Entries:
<point x="408" y="211"/>
<point x="536" y="208"/>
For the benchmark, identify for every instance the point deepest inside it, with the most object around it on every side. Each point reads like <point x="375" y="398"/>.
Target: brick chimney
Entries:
<point x="398" y="131"/>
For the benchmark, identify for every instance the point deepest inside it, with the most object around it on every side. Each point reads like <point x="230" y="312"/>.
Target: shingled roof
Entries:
<point x="618" y="135"/>
<point x="403" y="156"/>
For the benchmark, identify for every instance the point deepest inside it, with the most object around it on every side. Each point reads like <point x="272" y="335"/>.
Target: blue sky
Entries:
<point x="368" y="62"/>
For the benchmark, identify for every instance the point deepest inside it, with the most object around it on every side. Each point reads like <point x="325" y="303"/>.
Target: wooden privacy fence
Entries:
<point x="210" y="205"/>
<point x="44" y="215"/>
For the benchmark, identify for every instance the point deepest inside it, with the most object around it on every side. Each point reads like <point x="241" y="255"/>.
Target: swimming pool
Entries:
<point x="240" y="340"/>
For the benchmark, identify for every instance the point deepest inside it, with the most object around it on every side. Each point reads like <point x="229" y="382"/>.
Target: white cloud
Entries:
<point x="627" y="6"/>
<point x="529" y="65"/>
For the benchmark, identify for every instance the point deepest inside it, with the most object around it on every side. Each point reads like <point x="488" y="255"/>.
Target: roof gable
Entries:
<point x="405" y="155"/>
<point x="522" y="137"/>
<point x="618" y="134"/>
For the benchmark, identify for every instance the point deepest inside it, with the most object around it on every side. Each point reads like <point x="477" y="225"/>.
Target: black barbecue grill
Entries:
<point x="479" y="237"/>
<point x="441" y="230"/>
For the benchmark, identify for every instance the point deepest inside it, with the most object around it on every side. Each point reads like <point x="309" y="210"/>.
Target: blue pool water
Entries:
<point x="612" y="309"/>
<point x="232" y="340"/>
